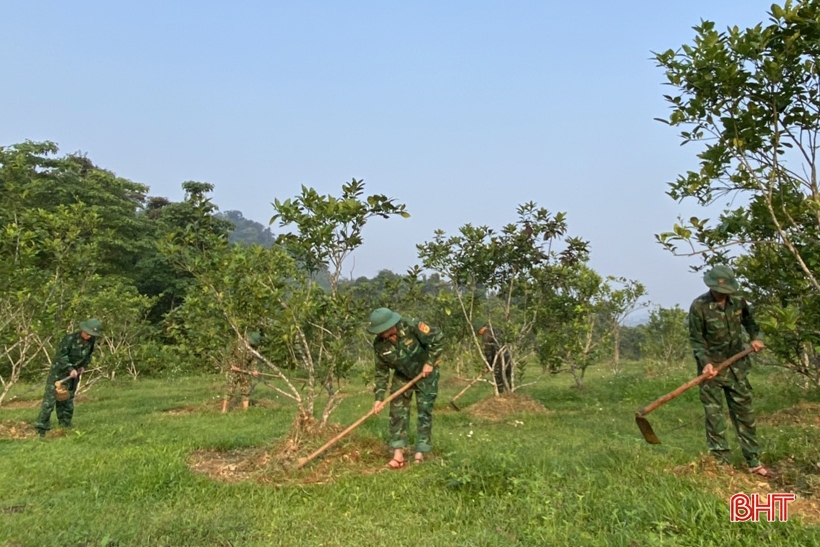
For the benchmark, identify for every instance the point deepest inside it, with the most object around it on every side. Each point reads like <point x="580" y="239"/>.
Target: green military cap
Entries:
<point x="721" y="279"/>
<point x="478" y="324"/>
<point x="382" y="319"/>
<point x="254" y="338"/>
<point x="92" y="327"/>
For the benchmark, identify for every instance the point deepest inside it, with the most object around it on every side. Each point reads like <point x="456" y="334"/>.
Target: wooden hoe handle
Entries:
<point x="357" y="423"/>
<point x="691" y="383"/>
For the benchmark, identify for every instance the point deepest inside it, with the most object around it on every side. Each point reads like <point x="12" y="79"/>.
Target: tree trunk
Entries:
<point x="578" y="377"/>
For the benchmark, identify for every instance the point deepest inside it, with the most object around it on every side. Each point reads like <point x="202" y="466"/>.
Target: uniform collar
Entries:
<point x="730" y="298"/>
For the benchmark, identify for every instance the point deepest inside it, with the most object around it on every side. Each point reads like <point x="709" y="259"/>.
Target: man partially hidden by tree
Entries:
<point x="73" y="355"/>
<point x="407" y="347"/>
<point x="492" y="341"/>
<point x="245" y="361"/>
<point x="716" y="323"/>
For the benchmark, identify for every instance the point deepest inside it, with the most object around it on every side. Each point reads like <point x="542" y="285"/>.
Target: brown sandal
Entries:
<point x="395" y="464"/>
<point x="418" y="458"/>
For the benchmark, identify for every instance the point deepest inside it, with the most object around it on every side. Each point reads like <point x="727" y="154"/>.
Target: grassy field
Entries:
<point x="575" y="473"/>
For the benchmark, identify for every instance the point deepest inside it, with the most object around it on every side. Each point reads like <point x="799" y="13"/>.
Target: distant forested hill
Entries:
<point x="246" y="230"/>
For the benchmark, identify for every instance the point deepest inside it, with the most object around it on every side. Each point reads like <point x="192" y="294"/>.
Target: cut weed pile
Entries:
<point x="496" y="409"/>
<point x="718" y="479"/>
<point x="276" y="464"/>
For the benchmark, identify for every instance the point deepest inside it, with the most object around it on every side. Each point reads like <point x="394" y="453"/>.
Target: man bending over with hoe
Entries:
<point x="716" y="323"/>
<point x="409" y="348"/>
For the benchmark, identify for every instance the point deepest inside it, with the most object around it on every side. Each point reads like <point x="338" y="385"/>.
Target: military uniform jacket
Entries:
<point x="716" y="333"/>
<point x="73" y="353"/>
<point x="242" y="358"/>
<point x="417" y="344"/>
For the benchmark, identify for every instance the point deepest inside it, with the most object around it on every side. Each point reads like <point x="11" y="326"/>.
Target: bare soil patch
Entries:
<point x="725" y="482"/>
<point x="276" y="464"/>
<point x="15" y="405"/>
<point x="499" y="408"/>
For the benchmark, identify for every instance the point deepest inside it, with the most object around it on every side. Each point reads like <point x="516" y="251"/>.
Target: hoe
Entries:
<point x="463" y="391"/>
<point x="643" y="423"/>
<point x="304" y="461"/>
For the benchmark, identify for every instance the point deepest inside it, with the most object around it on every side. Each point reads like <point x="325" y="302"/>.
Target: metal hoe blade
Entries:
<point x="646" y="430"/>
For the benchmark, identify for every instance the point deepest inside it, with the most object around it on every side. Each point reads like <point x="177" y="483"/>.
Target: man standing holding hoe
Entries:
<point x="73" y="355"/>
<point x="409" y="348"/>
<point x="716" y="323"/>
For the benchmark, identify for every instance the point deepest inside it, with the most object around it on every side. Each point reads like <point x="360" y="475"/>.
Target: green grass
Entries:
<point x="579" y="475"/>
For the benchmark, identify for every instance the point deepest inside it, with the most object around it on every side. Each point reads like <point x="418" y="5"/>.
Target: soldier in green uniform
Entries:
<point x="407" y="347"/>
<point x="491" y="339"/>
<point x="716" y="323"/>
<point x="73" y="355"/>
<point x="242" y="359"/>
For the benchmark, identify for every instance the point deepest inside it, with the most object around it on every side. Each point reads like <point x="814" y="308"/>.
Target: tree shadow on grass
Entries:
<point x="216" y="406"/>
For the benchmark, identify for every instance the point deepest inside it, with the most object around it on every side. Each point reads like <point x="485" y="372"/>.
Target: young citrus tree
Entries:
<point x="326" y="230"/>
<point x="243" y="288"/>
<point x="492" y="274"/>
<point x="666" y="337"/>
<point x="574" y="331"/>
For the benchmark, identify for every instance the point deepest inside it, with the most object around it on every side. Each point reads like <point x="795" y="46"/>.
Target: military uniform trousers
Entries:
<point x="738" y="393"/>
<point x="426" y="391"/>
<point x="65" y="409"/>
<point x="238" y="381"/>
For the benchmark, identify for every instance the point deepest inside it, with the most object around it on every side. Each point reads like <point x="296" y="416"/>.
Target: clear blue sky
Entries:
<point x="461" y="110"/>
